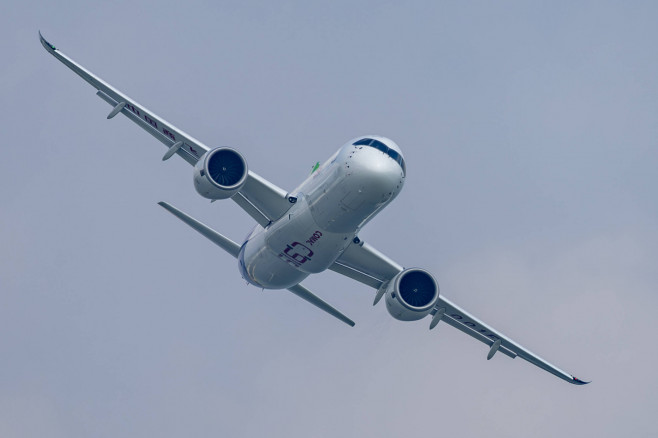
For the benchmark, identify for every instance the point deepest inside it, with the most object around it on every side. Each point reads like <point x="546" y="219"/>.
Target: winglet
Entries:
<point x="577" y="381"/>
<point x="49" y="47"/>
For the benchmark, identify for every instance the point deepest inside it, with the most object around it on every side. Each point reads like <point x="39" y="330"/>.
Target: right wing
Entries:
<point x="261" y="199"/>
<point x="462" y="320"/>
<point x="365" y="264"/>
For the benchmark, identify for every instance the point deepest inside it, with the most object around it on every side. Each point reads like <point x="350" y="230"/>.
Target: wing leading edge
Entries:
<point x="365" y="264"/>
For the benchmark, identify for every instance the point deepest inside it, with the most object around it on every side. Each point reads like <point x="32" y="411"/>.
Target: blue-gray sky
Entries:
<point x="529" y="131"/>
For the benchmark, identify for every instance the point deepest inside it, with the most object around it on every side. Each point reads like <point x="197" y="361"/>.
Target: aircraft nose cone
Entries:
<point x="374" y="178"/>
<point x="379" y="170"/>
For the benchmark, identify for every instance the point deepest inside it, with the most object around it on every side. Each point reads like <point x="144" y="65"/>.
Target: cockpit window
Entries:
<point x="385" y="149"/>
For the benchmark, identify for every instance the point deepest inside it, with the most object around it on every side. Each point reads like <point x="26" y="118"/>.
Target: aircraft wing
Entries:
<point x="467" y="323"/>
<point x="261" y="199"/>
<point x="365" y="264"/>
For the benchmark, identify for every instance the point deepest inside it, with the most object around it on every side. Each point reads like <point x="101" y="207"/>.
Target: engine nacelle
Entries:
<point x="220" y="173"/>
<point x="411" y="294"/>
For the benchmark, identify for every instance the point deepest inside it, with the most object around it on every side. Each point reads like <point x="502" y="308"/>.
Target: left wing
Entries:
<point x="262" y="200"/>
<point x="365" y="264"/>
<point x="190" y="150"/>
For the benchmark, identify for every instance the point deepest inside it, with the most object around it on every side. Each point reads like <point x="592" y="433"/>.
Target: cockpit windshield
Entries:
<point x="382" y="147"/>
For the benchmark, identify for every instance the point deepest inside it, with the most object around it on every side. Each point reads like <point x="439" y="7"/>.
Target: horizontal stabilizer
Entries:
<point x="309" y="296"/>
<point x="223" y="242"/>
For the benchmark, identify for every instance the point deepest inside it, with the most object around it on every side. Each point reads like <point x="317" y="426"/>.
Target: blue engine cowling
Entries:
<point x="220" y="173"/>
<point x="411" y="294"/>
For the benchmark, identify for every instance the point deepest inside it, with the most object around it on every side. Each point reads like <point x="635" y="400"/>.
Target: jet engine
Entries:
<point x="220" y="173"/>
<point x="411" y="294"/>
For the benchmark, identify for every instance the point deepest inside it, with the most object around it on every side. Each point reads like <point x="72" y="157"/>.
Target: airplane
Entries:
<point x="315" y="226"/>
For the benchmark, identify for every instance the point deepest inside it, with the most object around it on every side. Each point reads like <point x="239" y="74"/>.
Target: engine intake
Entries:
<point x="411" y="294"/>
<point x="220" y="173"/>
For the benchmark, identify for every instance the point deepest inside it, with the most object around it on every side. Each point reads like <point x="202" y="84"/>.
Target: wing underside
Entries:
<point x="462" y="320"/>
<point x="365" y="264"/>
<point x="262" y="200"/>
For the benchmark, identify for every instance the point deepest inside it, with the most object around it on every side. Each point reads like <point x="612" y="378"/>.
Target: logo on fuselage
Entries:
<point x="296" y="254"/>
<point x="314" y="238"/>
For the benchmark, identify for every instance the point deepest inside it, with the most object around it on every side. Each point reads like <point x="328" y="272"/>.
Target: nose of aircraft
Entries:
<point x="379" y="176"/>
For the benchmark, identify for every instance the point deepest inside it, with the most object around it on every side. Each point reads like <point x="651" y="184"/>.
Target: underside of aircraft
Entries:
<point x="315" y="226"/>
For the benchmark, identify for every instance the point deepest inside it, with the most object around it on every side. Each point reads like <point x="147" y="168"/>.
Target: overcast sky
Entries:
<point x="529" y="130"/>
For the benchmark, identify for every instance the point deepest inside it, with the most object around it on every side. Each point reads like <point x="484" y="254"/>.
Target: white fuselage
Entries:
<point x="332" y="205"/>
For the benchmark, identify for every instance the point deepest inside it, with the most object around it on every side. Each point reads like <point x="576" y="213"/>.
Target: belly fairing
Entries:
<point x="261" y="266"/>
<point x="290" y="249"/>
<point x="302" y="243"/>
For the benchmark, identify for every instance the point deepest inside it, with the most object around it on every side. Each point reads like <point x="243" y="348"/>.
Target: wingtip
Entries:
<point x="577" y="381"/>
<point x="49" y="47"/>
